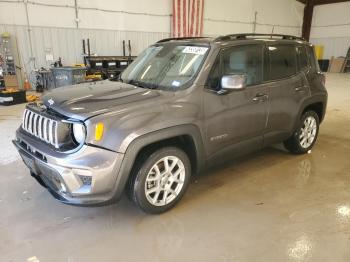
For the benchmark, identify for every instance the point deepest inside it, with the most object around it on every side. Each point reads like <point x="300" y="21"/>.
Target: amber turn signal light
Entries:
<point x="99" y="131"/>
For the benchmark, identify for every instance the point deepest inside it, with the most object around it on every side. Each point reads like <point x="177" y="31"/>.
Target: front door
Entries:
<point x="236" y="120"/>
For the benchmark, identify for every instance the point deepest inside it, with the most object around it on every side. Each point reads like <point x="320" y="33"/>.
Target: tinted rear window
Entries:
<point x="283" y="61"/>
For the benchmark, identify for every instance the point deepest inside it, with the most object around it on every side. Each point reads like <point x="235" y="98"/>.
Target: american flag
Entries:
<point x="187" y="18"/>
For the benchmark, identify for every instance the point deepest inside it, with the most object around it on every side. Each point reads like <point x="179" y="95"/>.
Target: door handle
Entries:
<point x="260" y="97"/>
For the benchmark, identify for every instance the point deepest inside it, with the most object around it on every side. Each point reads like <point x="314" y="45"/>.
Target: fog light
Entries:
<point x="86" y="180"/>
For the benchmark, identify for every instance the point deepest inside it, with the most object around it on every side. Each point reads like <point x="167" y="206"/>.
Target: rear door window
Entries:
<point x="283" y="61"/>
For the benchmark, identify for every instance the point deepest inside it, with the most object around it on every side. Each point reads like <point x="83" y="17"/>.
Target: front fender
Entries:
<point x="136" y="145"/>
<point x="129" y="122"/>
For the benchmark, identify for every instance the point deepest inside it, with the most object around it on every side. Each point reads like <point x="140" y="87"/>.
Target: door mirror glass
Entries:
<point x="233" y="82"/>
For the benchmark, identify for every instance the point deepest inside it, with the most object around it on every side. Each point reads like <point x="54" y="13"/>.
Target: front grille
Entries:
<point x="41" y="127"/>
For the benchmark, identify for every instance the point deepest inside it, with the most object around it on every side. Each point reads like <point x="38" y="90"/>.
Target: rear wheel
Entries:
<point x="306" y="134"/>
<point x="161" y="180"/>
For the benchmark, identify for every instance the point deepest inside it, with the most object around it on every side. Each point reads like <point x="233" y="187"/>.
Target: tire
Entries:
<point x="165" y="188"/>
<point x="302" y="141"/>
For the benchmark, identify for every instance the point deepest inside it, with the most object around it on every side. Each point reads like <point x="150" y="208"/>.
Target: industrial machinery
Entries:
<point x="105" y="66"/>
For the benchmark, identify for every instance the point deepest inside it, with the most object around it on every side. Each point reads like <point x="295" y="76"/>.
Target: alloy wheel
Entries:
<point x="165" y="180"/>
<point x="308" y="132"/>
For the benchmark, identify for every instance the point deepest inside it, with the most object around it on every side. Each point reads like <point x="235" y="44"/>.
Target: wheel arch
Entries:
<point x="317" y="107"/>
<point x="317" y="103"/>
<point x="187" y="137"/>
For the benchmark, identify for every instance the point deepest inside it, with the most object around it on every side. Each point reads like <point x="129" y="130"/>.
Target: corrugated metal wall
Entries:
<point x="67" y="43"/>
<point x="107" y="23"/>
<point x="331" y="28"/>
<point x="337" y="46"/>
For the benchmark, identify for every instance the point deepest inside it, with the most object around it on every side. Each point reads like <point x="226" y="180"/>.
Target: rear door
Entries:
<point x="287" y="89"/>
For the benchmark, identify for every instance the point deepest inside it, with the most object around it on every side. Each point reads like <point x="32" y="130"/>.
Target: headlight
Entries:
<point x="79" y="133"/>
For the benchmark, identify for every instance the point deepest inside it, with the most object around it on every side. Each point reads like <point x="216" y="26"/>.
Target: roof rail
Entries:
<point x="180" y="38"/>
<point x="244" y="36"/>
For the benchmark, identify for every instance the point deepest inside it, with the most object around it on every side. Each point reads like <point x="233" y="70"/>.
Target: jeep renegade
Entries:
<point x="181" y="105"/>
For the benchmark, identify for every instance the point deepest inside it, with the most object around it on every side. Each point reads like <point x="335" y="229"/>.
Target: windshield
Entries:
<point x="167" y="67"/>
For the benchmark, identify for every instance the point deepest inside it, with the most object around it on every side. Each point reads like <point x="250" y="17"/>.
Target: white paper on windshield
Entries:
<point x="197" y="50"/>
<point x="175" y="83"/>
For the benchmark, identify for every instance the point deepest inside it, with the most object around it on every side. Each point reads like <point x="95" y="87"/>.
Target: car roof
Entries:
<point x="237" y="38"/>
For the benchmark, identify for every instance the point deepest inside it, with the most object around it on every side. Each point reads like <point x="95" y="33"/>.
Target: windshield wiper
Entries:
<point x="143" y="84"/>
<point x="136" y="83"/>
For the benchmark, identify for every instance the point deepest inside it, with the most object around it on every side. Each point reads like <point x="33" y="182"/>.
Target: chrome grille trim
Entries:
<point x="30" y="129"/>
<point x="35" y="126"/>
<point x="40" y="133"/>
<point x="41" y="127"/>
<point x="26" y="120"/>
<point x="51" y="132"/>
<point x="23" y="120"/>
<point x="45" y="130"/>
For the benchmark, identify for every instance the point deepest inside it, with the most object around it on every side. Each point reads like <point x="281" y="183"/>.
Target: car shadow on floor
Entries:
<point x="233" y="172"/>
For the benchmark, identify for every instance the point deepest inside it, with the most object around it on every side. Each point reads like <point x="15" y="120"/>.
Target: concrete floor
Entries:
<point x="269" y="206"/>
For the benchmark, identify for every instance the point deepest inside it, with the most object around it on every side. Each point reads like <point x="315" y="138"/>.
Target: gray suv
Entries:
<point x="182" y="105"/>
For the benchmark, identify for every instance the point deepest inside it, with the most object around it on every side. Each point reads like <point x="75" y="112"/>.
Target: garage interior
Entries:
<point x="266" y="206"/>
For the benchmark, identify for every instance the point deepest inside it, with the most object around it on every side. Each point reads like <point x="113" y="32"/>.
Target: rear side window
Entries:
<point x="283" y="61"/>
<point x="302" y="57"/>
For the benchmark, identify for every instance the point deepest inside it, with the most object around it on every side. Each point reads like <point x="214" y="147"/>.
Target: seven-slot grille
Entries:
<point x="41" y="127"/>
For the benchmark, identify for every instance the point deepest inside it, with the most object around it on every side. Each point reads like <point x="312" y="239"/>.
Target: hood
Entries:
<point x="90" y="99"/>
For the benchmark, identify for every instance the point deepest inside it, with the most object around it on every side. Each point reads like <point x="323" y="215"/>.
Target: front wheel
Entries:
<point x="306" y="134"/>
<point x="161" y="180"/>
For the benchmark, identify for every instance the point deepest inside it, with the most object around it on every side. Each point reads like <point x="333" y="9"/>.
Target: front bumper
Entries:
<point x="88" y="176"/>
